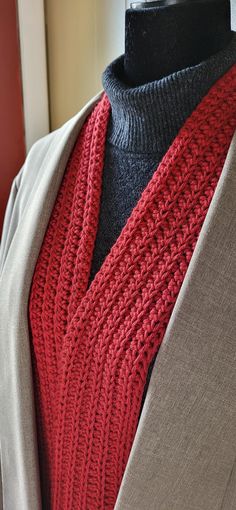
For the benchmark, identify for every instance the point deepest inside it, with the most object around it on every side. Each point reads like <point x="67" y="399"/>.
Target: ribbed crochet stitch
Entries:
<point x="92" y="344"/>
<point x="144" y="121"/>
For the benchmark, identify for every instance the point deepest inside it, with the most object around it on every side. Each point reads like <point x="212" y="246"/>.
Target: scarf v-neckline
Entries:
<point x="115" y="325"/>
<point x="101" y="115"/>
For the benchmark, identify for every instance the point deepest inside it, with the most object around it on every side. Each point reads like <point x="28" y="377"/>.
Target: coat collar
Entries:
<point x="184" y="451"/>
<point x="38" y="183"/>
<point x="185" y="444"/>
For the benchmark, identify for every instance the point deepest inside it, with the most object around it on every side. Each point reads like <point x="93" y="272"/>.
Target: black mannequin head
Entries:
<point x="162" y="39"/>
<point x="158" y="3"/>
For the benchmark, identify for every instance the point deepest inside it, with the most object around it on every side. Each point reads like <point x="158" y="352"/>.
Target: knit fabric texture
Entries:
<point x="144" y="121"/>
<point x="92" y="344"/>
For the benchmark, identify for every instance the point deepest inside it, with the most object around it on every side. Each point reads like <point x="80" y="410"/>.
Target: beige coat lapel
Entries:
<point x="26" y="220"/>
<point x="184" y="453"/>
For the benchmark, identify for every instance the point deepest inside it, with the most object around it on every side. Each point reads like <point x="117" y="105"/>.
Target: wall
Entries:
<point x="82" y="38"/>
<point x="31" y="20"/>
<point x="12" y="136"/>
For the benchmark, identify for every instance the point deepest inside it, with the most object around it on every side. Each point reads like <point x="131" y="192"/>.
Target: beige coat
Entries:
<point x="184" y="452"/>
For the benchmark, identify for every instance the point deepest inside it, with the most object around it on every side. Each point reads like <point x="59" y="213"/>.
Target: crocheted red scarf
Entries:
<point x="92" y="345"/>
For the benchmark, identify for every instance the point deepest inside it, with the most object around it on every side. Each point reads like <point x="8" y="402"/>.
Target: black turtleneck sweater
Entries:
<point x="143" y="123"/>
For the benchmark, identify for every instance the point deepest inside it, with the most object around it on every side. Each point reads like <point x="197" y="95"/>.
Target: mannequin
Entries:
<point x="163" y="38"/>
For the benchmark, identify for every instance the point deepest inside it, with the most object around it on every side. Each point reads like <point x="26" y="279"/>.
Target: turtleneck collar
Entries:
<point x="145" y="119"/>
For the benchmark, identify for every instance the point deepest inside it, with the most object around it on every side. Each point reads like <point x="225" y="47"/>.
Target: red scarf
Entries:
<point x="92" y="346"/>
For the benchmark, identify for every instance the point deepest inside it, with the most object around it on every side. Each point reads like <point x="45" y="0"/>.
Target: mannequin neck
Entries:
<point x="164" y="39"/>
